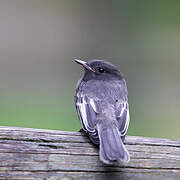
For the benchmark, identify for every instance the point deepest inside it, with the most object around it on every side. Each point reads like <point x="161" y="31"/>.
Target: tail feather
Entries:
<point x="112" y="148"/>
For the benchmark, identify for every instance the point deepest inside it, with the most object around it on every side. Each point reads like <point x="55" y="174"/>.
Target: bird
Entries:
<point x="101" y="101"/>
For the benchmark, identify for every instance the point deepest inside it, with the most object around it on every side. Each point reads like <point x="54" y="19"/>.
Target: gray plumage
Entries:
<point x="102" y="105"/>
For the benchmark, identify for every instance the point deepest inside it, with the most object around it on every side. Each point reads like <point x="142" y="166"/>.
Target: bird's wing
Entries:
<point x="122" y="115"/>
<point x="87" y="109"/>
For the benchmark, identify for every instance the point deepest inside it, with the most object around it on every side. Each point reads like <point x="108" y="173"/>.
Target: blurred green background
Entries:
<point x="40" y="38"/>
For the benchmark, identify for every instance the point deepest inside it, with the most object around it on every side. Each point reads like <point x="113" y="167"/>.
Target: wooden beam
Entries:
<point x="48" y="154"/>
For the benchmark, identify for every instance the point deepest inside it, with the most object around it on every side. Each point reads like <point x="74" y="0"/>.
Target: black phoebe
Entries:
<point x="102" y="105"/>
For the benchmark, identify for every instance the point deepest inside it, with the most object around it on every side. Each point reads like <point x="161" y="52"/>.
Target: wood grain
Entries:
<point x="48" y="154"/>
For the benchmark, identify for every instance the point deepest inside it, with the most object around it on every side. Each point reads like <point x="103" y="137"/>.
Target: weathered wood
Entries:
<point x="48" y="154"/>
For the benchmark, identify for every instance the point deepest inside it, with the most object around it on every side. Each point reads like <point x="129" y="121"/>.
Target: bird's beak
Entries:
<point x="84" y="64"/>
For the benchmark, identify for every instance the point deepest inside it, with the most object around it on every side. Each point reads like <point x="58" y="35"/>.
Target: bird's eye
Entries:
<point x="101" y="70"/>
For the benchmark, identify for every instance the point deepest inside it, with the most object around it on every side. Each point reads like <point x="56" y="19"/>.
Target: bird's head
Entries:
<point x="99" y="70"/>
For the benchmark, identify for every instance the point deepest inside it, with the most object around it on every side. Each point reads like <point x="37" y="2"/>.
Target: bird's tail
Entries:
<point x="112" y="148"/>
